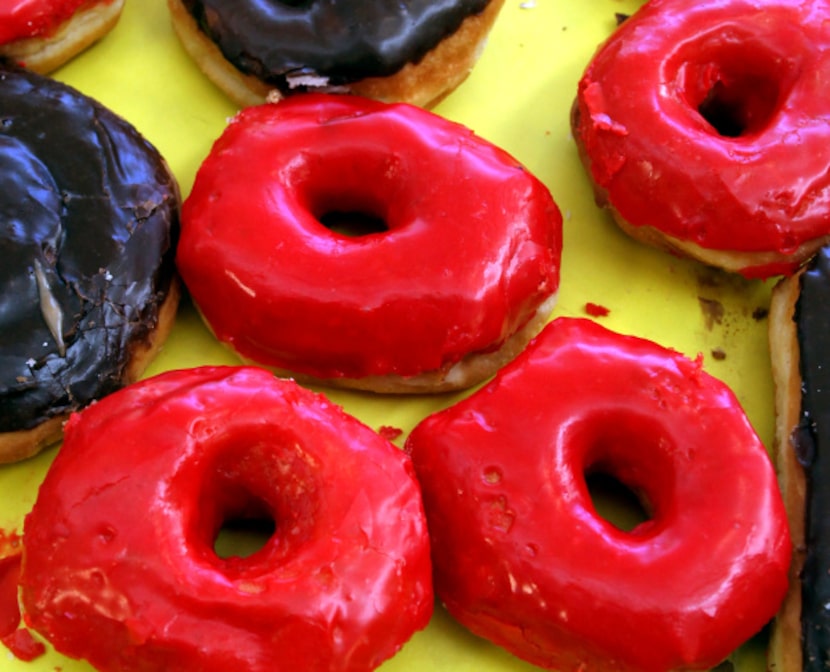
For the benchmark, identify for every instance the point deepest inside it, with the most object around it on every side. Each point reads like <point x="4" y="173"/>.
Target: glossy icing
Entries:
<point x="22" y="19"/>
<point x="89" y="218"/>
<point x="707" y="120"/>
<point x="813" y="324"/>
<point x="523" y="558"/>
<point x="283" y="42"/>
<point x="119" y="563"/>
<point x="468" y="251"/>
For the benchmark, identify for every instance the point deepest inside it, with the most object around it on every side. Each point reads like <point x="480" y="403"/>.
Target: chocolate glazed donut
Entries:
<point x="324" y="45"/>
<point x="278" y="41"/>
<point x="811" y="440"/>
<point x="799" y="328"/>
<point x="88" y="224"/>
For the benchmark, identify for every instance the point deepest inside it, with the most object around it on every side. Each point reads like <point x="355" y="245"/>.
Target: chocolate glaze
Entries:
<point x="812" y="443"/>
<point x="279" y="40"/>
<point x="88" y="224"/>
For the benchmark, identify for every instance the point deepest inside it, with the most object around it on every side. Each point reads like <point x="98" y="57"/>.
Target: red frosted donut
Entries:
<point x="44" y="34"/>
<point x="523" y="558"/>
<point x="459" y="270"/>
<point x="119" y="565"/>
<point x="703" y="125"/>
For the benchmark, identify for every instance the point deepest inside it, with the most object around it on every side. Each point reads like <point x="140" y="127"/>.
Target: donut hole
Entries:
<point x="351" y="191"/>
<point x="615" y="502"/>
<point x="736" y="107"/>
<point x="734" y="83"/>
<point x="257" y="501"/>
<point x="627" y="468"/>
<point x="246" y="533"/>
<point x="352" y="224"/>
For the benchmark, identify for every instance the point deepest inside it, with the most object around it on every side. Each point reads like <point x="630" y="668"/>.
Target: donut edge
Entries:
<point x="87" y="26"/>
<point x="424" y="84"/>
<point x="23" y="444"/>
<point x="750" y="264"/>
<point x="471" y="370"/>
<point x="784" y="652"/>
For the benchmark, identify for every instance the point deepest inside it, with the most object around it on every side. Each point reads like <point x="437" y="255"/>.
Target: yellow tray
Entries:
<point x="518" y="97"/>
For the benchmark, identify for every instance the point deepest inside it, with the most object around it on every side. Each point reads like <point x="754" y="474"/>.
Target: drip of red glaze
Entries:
<point x="18" y="640"/>
<point x="9" y="609"/>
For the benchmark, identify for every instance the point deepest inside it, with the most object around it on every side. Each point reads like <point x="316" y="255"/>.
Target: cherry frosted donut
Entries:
<point x="703" y="125"/>
<point x="455" y="268"/>
<point x="522" y="557"/>
<point x="44" y="34"/>
<point x="89" y="215"/>
<point x="416" y="51"/>
<point x="119" y="566"/>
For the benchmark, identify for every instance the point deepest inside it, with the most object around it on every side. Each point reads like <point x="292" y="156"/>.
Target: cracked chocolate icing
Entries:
<point x="88" y="225"/>
<point x="287" y="43"/>
<point x="812" y="442"/>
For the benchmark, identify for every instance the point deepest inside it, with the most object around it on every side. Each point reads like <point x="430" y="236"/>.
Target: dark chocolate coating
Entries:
<point x="89" y="206"/>
<point x="812" y="441"/>
<point x="344" y="41"/>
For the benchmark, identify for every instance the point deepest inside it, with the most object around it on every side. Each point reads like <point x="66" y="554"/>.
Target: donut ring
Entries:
<point x="462" y="272"/>
<point x="45" y="34"/>
<point x="119" y="566"/>
<point x="416" y="51"/>
<point x="522" y="557"/>
<point x="89" y="214"/>
<point x="718" y="148"/>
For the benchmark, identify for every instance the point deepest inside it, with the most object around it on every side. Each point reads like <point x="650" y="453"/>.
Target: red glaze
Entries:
<point x="18" y="640"/>
<point x="9" y="609"/>
<point x="471" y="249"/>
<point x="664" y="165"/>
<point x="119" y="566"/>
<point x="522" y="557"/>
<point x="22" y="19"/>
<point x="23" y="645"/>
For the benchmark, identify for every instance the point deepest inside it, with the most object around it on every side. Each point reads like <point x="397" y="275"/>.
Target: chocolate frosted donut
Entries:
<point x="88" y="222"/>
<point x="800" y="350"/>
<point x="248" y="48"/>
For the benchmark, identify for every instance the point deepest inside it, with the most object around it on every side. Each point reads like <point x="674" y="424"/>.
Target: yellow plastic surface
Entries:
<point x="518" y="97"/>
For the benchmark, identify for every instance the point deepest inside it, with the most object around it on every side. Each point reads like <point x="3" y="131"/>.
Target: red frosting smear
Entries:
<point x="22" y="19"/>
<point x="9" y="609"/>
<point x="596" y="310"/>
<point x="18" y="640"/>
<point x="23" y="645"/>
<point x="390" y="433"/>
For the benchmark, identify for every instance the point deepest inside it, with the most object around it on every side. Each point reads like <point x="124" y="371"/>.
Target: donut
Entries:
<point x="349" y="242"/>
<point x="45" y="34"/>
<point x="523" y="558"/>
<point x="799" y="354"/>
<point x="119" y="563"/>
<point x="88" y="222"/>
<point x="415" y="52"/>
<point x="702" y="126"/>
